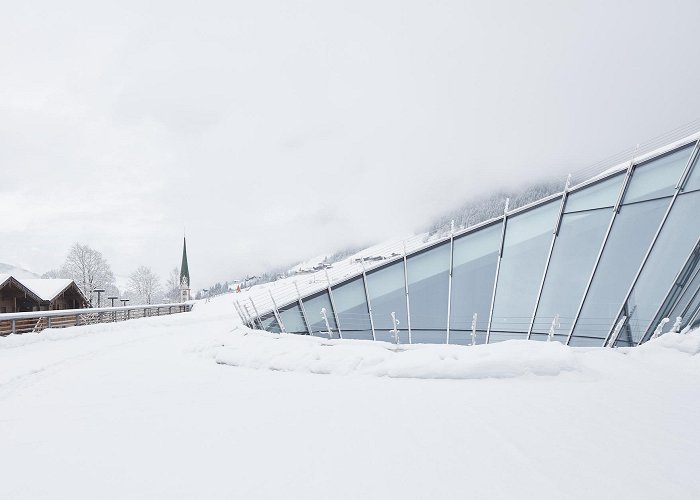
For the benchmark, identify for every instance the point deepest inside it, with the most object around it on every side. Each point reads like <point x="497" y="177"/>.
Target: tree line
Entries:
<point x="91" y="271"/>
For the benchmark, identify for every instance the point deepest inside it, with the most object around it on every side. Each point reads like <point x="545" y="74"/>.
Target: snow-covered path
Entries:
<point x="142" y="409"/>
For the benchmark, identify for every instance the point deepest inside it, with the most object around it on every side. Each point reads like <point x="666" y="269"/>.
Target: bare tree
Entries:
<point x="172" y="286"/>
<point x="144" y="285"/>
<point x="88" y="268"/>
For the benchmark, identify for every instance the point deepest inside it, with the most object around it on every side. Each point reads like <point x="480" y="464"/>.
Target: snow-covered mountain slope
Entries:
<point x="196" y="406"/>
<point x="17" y="272"/>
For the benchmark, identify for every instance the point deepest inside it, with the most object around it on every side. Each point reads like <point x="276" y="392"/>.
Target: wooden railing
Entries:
<point x="36" y="321"/>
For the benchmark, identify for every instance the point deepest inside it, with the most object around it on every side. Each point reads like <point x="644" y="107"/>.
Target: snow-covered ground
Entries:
<point x="195" y="406"/>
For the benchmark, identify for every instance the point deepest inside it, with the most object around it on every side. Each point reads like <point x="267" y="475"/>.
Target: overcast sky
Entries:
<point x="276" y="131"/>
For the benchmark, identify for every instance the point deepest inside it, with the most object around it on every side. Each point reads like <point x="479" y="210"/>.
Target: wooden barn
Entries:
<point x="36" y="294"/>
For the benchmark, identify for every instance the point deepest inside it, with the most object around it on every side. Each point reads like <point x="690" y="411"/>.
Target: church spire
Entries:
<point x="184" y="268"/>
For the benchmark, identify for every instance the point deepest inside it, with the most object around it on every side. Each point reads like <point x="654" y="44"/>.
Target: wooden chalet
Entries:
<point x="37" y="294"/>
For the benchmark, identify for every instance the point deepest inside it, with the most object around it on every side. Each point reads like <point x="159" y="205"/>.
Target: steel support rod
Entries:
<point x="449" y="279"/>
<point x="303" y="311"/>
<point x="369" y="302"/>
<point x="277" y="313"/>
<point x="555" y="233"/>
<point x="616" y="210"/>
<point x="408" y="300"/>
<point x="335" y="311"/>
<point x="498" y="269"/>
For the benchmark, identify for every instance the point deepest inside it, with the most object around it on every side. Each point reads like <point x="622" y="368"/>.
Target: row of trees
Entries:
<point x="91" y="271"/>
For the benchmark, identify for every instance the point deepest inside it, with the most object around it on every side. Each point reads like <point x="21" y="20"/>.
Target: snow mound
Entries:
<point x="254" y="349"/>
<point x="510" y="359"/>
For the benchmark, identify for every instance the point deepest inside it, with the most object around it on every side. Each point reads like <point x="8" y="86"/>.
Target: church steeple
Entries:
<point x="184" y="273"/>
<point x="184" y="268"/>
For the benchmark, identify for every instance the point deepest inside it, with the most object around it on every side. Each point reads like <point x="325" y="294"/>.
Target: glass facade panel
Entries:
<point x="525" y="250"/>
<point x="473" y="273"/>
<point x="292" y="319"/>
<point x="269" y="323"/>
<point x="351" y="307"/>
<point x="669" y="254"/>
<point x="586" y="342"/>
<point x="693" y="182"/>
<point x="312" y="307"/>
<point x="600" y="195"/>
<point x="428" y="283"/>
<point x="388" y="294"/>
<point x="681" y="308"/>
<point x="580" y="236"/>
<point x="659" y="177"/>
<point x="629" y="240"/>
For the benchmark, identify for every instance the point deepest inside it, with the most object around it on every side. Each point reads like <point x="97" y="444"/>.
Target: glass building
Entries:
<point x="604" y="262"/>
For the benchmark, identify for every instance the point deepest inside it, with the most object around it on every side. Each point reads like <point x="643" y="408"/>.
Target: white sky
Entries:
<point x="275" y="131"/>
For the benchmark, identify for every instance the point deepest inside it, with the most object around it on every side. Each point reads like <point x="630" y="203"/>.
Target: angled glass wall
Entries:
<point x="292" y="319"/>
<point x="428" y="283"/>
<point x="525" y="250"/>
<point x="313" y="307"/>
<point x="669" y="253"/>
<point x="386" y="287"/>
<point x="586" y="218"/>
<point x="474" y="261"/>
<point x="582" y="263"/>
<point x="647" y="198"/>
<point x="351" y="307"/>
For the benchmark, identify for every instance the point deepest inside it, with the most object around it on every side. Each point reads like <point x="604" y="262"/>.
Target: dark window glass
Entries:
<point x="351" y="307"/>
<point x="473" y="274"/>
<point x="313" y="307"/>
<point x="388" y="294"/>
<point x="525" y="249"/>
<point x="428" y="278"/>
<point x="292" y="319"/>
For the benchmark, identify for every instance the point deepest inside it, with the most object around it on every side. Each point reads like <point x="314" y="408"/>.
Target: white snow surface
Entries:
<point x="46" y="289"/>
<point x="196" y="406"/>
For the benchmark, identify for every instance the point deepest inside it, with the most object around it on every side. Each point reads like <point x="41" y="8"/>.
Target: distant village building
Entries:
<point x="184" y="274"/>
<point x="37" y="294"/>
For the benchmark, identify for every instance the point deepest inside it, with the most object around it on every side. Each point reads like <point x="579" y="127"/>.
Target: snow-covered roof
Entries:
<point x="45" y="289"/>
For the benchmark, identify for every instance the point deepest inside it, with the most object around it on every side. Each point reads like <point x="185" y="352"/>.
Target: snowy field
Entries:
<point x="196" y="406"/>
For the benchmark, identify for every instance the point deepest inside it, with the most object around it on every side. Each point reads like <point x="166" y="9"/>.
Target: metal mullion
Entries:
<point x="555" y="233"/>
<point x="240" y="313"/>
<point x="684" y="288"/>
<point x="695" y="315"/>
<point x="449" y="279"/>
<point x="408" y="301"/>
<point x="369" y="303"/>
<point x="681" y="181"/>
<point x="257" y="314"/>
<point x="687" y="307"/>
<point x="277" y="314"/>
<point x="616" y="210"/>
<point x="303" y="311"/>
<point x="498" y="269"/>
<point x="335" y="313"/>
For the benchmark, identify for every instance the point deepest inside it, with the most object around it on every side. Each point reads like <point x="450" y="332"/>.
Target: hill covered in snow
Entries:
<point x="16" y="271"/>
